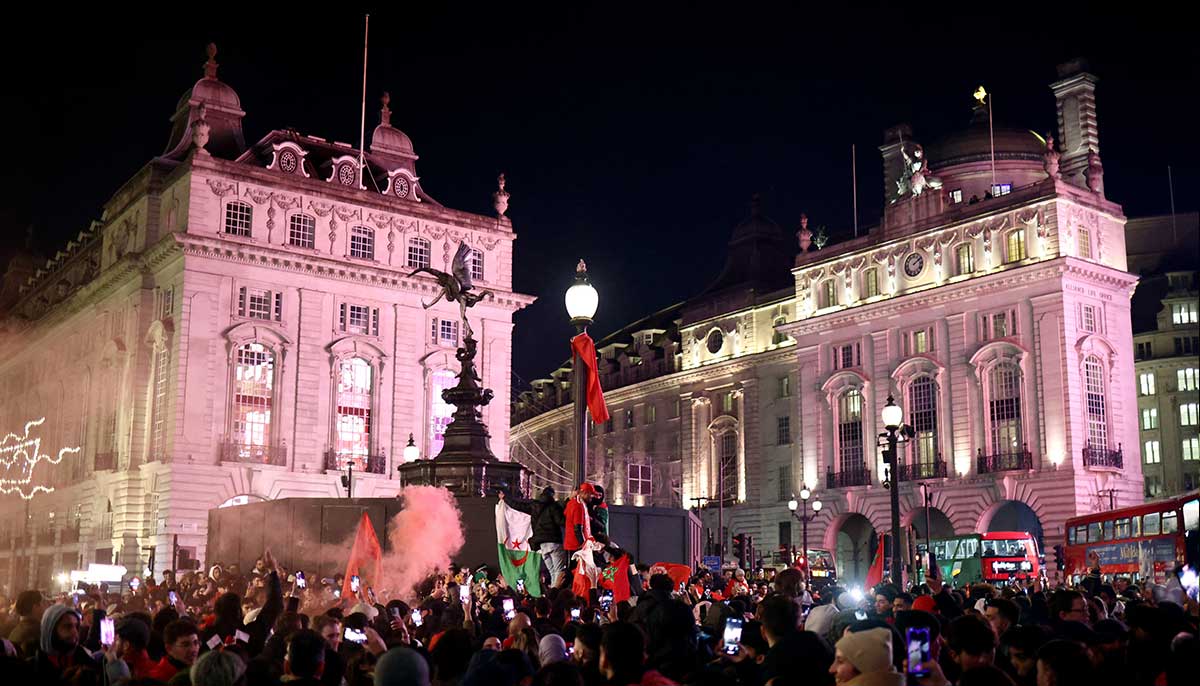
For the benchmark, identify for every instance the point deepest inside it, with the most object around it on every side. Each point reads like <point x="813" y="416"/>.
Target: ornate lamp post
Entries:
<point x="795" y="506"/>
<point x="411" y="451"/>
<point x="581" y="301"/>
<point x="893" y="418"/>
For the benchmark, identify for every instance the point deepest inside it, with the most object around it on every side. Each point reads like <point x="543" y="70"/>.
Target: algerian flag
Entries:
<point x="517" y="560"/>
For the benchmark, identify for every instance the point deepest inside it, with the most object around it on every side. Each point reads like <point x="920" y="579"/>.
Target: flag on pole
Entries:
<point x="585" y="351"/>
<point x="517" y="560"/>
<point x="366" y="558"/>
<point x="875" y="573"/>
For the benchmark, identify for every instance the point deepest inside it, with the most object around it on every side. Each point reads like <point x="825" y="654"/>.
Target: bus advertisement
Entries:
<point x="996" y="557"/>
<point x="1143" y="541"/>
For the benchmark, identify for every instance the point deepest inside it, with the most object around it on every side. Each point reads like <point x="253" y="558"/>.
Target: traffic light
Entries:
<point x="750" y="552"/>
<point x="1059" y="560"/>
<point x="739" y="548"/>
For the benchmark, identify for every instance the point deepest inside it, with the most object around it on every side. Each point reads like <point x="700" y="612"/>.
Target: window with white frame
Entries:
<point x="166" y="302"/>
<point x="1187" y="379"/>
<point x="162" y="383"/>
<point x="1096" y="403"/>
<point x="1151" y="452"/>
<point x="640" y="477"/>
<point x="783" y="430"/>
<point x="827" y="296"/>
<point x="1088" y="318"/>
<point x="1004" y="409"/>
<point x="444" y="332"/>
<point x="999" y="189"/>
<point x="922" y="401"/>
<point x="727" y="446"/>
<point x="964" y="259"/>
<point x="253" y="394"/>
<point x="1145" y="350"/>
<point x="358" y="319"/>
<point x="1000" y="324"/>
<point x="850" y="431"/>
<point x="419" y="252"/>
<point x="1184" y="313"/>
<point x="1188" y="414"/>
<point x="1146" y="383"/>
<point x="475" y="262"/>
<point x="918" y="341"/>
<point x="871" y="283"/>
<point x="955" y="196"/>
<point x="302" y="231"/>
<point x="1191" y="449"/>
<point x="238" y="218"/>
<point x="847" y="355"/>
<point x="1083" y="241"/>
<point x="260" y="303"/>
<point x="362" y="242"/>
<point x="1015" y="246"/>
<point x="355" y="384"/>
<point x="1149" y="418"/>
<point x="651" y="413"/>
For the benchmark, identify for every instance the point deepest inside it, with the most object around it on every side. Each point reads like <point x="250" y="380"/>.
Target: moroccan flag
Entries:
<point x="679" y="573"/>
<point x="875" y="573"/>
<point x="615" y="577"/>
<point x="366" y="558"/>
<point x="517" y="560"/>
<point x="585" y="351"/>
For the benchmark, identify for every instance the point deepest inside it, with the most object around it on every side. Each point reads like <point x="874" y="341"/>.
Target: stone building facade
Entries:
<point x="240" y="324"/>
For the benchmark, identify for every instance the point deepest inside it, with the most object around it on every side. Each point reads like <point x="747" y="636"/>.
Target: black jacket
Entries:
<point x="547" y="518"/>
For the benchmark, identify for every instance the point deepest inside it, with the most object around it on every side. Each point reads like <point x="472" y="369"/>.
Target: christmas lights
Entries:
<point x="19" y="455"/>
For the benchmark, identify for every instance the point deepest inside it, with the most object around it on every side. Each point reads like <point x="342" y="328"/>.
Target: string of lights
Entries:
<point x="19" y="455"/>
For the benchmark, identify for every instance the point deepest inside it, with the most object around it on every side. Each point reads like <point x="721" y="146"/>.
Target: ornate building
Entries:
<point x="992" y="302"/>
<point x="238" y="325"/>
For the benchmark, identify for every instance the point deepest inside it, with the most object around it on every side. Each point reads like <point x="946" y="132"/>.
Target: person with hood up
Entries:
<point x="548" y="520"/>
<point x="864" y="658"/>
<point x="58" y="646"/>
<point x="229" y="620"/>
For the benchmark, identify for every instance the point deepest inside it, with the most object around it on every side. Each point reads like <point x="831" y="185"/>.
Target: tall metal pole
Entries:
<point x="721" y="509"/>
<point x="579" y="379"/>
<point x="804" y="536"/>
<point x="897" y="570"/>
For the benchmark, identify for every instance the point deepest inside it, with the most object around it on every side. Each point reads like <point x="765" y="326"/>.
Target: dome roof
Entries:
<point x="212" y="92"/>
<point x="974" y="144"/>
<point x="757" y="227"/>
<point x="387" y="138"/>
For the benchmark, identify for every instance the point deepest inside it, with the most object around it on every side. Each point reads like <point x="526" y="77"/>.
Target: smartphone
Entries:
<point x="683" y="587"/>
<point x="606" y="601"/>
<point x="337" y="593"/>
<point x="134" y="583"/>
<point x="300" y="582"/>
<point x="509" y="612"/>
<point x="464" y="593"/>
<point x="395" y="613"/>
<point x="860" y="615"/>
<point x="354" y="581"/>
<point x="917" y="640"/>
<point x="354" y="635"/>
<point x="108" y="631"/>
<point x="521" y="585"/>
<point x="173" y="597"/>
<point x="371" y="595"/>
<point x="417" y="620"/>
<point x="574" y="613"/>
<point x="733" y="635"/>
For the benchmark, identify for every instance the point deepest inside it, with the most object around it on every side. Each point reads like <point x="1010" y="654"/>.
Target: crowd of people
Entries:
<point x="469" y="627"/>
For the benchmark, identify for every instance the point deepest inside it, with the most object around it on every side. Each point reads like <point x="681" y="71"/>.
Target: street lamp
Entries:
<point x="805" y="518"/>
<point x="581" y="301"/>
<point x="411" y="451"/>
<point x="893" y="418"/>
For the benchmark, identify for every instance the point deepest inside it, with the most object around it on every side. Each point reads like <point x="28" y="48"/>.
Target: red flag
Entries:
<point x="875" y="573"/>
<point x="679" y="573"/>
<point x="585" y="351"/>
<point x="366" y="557"/>
<point x="615" y="577"/>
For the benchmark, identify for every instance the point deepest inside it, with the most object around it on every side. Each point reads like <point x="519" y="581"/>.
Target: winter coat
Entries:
<point x="546" y="517"/>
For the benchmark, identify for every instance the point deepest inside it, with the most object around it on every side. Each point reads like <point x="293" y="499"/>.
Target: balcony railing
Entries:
<point x="1103" y="457"/>
<point x="1004" y="462"/>
<point x="232" y="451"/>
<point x="372" y="464"/>
<point x="923" y="470"/>
<point x="860" y="476"/>
<point x="106" y="461"/>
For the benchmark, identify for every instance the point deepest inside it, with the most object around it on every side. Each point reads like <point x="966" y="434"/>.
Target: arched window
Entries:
<point x="302" y="231"/>
<point x="418" y="252"/>
<point x="850" y="432"/>
<point x="827" y="296"/>
<point x="440" y="411"/>
<point x="727" y="459"/>
<point x="1004" y="409"/>
<point x="254" y="386"/>
<point x="1096" y="402"/>
<point x="922" y="403"/>
<point x="238" y="217"/>
<point x="352" y="440"/>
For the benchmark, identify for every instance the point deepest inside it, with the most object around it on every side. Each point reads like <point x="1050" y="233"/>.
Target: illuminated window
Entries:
<point x="302" y="231"/>
<point x="418" y="253"/>
<point x="253" y="391"/>
<point x="999" y="189"/>
<point x="955" y="196"/>
<point x="964" y="259"/>
<point x="846" y="356"/>
<point x="162" y="368"/>
<point x="441" y="412"/>
<point x="1187" y="379"/>
<point x="238" y="219"/>
<point x="727" y="445"/>
<point x="1084" y="242"/>
<point x="828" y="296"/>
<point x="640" y="479"/>
<point x="362" y="243"/>
<point x="922" y="402"/>
<point x="1096" y="403"/>
<point x="475" y="261"/>
<point x="1088" y="318"/>
<point x="1004" y="409"/>
<point x="783" y="430"/>
<point x="259" y="303"/>
<point x="651" y="414"/>
<point x="777" y="336"/>
<point x="1151" y="452"/>
<point x="353" y="430"/>
<point x="727" y="402"/>
<point x="999" y="324"/>
<point x="1191" y="449"/>
<point x="1146" y="383"/>
<point x="358" y="319"/>
<point x="870" y="283"/>
<point x="919" y="341"/>
<point x="444" y="332"/>
<point x="850" y="431"/>
<point x="1184" y="313"/>
<point x="1015" y="246"/>
<point x="1188" y="413"/>
<point x="1149" y="418"/>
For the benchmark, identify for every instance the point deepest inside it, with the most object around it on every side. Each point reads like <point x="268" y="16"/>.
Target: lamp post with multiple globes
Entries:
<point x="795" y="506"/>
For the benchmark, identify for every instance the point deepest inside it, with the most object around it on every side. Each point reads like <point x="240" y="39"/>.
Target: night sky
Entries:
<point x="632" y="140"/>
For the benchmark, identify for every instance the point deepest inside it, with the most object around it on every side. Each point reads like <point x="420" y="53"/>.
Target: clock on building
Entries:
<point x="913" y="264"/>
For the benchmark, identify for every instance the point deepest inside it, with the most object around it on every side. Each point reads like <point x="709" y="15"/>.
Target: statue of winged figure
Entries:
<point x="456" y="286"/>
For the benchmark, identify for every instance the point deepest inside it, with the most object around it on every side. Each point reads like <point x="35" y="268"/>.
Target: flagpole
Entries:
<point x="362" y="120"/>
<point x="992" y="142"/>
<point x="1171" y="189"/>
<point x="854" y="185"/>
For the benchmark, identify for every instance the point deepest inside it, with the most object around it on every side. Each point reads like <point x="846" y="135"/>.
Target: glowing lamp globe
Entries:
<point x="411" y="451"/>
<point x="793" y="505"/>
<point x="816" y="506"/>
<point x="805" y="494"/>
<point x="892" y="414"/>
<point x="582" y="298"/>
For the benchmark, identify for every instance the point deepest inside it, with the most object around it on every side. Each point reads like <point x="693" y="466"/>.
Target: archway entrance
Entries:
<point x="856" y="544"/>
<point x="937" y="520"/>
<point x="1014" y="515"/>
<point x="243" y="499"/>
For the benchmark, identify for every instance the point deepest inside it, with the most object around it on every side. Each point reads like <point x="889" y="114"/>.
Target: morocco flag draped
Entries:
<point x="875" y="573"/>
<point x="585" y="351"/>
<point x="366" y="558"/>
<point x="517" y="561"/>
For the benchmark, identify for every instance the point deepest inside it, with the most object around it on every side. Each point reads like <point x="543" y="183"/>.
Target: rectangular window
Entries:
<point x="302" y="231"/>
<point x="639" y="479"/>
<point x="847" y="356"/>
<point x="358" y="319"/>
<point x="444" y="332"/>
<point x="1015" y="246"/>
<point x="1184" y="313"/>
<point x="999" y="189"/>
<point x="362" y="243"/>
<point x="870" y="283"/>
<point x="964" y="259"/>
<point x="727" y="401"/>
<point x="629" y="418"/>
<point x="237" y="219"/>
<point x="1121" y="528"/>
<point x="1188" y="414"/>
<point x="955" y="196"/>
<point x="476" y="264"/>
<point x="1187" y="379"/>
<point x="608" y="425"/>
<point x="1153" y="453"/>
<point x="783" y="430"/>
<point x="259" y="303"/>
<point x="785" y="483"/>
<point x="1088" y="318"/>
<point x="651" y="414"/>
<point x="419" y="251"/>
<point x="1191" y="449"/>
<point x="785" y="537"/>
<point x="828" y="296"/>
<point x="162" y="368"/>
<point x="918" y="342"/>
<point x="1084" y="243"/>
<point x="1149" y="418"/>
<point x="785" y="387"/>
<point x="1151" y="523"/>
<point x="999" y="325"/>
<point x="1145" y="351"/>
<point x="1186" y="346"/>
<point x="166" y="302"/>
<point x="1146" y="383"/>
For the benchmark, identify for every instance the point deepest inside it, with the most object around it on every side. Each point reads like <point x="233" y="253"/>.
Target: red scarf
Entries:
<point x="585" y="351"/>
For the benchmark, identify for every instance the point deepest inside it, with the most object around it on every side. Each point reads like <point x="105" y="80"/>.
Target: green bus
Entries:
<point x="959" y="558"/>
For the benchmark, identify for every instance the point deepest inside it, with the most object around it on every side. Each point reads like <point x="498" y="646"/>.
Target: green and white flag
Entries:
<point x="517" y="560"/>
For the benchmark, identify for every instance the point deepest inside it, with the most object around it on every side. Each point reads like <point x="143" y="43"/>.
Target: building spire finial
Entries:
<point x="385" y="114"/>
<point x="210" y="67"/>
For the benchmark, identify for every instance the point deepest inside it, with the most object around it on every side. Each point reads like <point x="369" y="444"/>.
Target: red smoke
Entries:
<point x="424" y="536"/>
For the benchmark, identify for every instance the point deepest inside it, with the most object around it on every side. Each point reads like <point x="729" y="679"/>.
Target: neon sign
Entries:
<point x="19" y="455"/>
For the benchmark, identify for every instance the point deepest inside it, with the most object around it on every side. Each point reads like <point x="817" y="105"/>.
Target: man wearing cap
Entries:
<point x="864" y="658"/>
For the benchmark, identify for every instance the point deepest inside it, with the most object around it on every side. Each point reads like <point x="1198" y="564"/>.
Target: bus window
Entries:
<point x="1150" y="524"/>
<point x="1191" y="515"/>
<point x="1070" y="536"/>
<point x="1108" y="530"/>
<point x="1093" y="532"/>
<point x="1170" y="522"/>
<point x="1081" y="534"/>
<point x="1122" y="528"/>
<point x="1137" y="526"/>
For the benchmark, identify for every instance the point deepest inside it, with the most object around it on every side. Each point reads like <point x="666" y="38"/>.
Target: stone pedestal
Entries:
<point x="466" y="465"/>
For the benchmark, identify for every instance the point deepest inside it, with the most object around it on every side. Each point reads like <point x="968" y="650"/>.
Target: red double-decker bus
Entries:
<point x="1141" y="541"/>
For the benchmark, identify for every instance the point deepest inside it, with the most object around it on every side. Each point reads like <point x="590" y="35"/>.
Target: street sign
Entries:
<point x="711" y="561"/>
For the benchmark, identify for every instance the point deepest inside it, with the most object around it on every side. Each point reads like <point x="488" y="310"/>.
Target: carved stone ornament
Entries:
<point x="500" y="197"/>
<point x="200" y="130"/>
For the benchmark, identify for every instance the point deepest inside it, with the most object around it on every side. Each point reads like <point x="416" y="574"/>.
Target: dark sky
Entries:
<point x="632" y="140"/>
